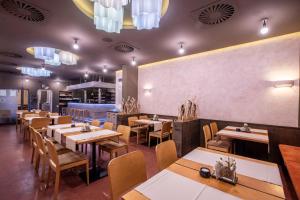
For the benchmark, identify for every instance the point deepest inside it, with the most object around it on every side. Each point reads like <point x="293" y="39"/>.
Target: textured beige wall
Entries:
<point x="230" y="84"/>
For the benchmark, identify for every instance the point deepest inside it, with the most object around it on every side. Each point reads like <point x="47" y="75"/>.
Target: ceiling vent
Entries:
<point x="23" y="10"/>
<point x="107" y="39"/>
<point x="10" y="54"/>
<point x="124" y="47"/>
<point x="5" y="63"/>
<point x="215" y="13"/>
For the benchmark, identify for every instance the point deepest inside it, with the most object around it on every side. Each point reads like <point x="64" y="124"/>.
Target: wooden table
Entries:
<point x="256" y="135"/>
<point x="188" y="180"/>
<point x="92" y="138"/>
<point x="157" y="125"/>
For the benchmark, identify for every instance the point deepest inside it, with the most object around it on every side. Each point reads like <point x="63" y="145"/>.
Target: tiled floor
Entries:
<point x="18" y="180"/>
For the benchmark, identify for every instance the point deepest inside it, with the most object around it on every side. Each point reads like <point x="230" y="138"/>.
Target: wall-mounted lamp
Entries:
<point x="282" y="84"/>
<point x="147" y="91"/>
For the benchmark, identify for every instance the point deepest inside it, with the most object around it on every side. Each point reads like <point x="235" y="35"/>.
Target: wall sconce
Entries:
<point x="147" y="91"/>
<point x="282" y="84"/>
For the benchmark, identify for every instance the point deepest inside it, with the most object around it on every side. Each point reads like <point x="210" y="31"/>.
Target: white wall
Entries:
<point x="231" y="84"/>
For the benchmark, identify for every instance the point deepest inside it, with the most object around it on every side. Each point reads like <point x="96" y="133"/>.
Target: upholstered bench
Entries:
<point x="291" y="158"/>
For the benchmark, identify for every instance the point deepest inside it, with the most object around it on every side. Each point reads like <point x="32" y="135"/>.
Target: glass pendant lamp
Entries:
<point x="35" y="72"/>
<point x="67" y="58"/>
<point x="54" y="62"/>
<point x="45" y="53"/>
<point x="116" y="4"/>
<point x="146" y="14"/>
<point x="108" y="19"/>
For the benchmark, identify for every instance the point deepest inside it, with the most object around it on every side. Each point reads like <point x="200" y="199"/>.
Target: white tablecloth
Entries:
<point x="260" y="171"/>
<point x="71" y="140"/>
<point x="157" y="124"/>
<point x="169" y="185"/>
<point x="59" y="132"/>
<point x="59" y="126"/>
<point x="250" y="136"/>
<point x="55" y="118"/>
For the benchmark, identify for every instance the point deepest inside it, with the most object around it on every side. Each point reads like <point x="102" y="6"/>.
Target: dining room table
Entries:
<point x="257" y="180"/>
<point x="72" y="137"/>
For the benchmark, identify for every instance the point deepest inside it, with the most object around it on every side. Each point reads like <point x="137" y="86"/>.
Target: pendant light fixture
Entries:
<point x="181" y="50"/>
<point x="264" y="29"/>
<point x="45" y="53"/>
<point x="67" y="58"/>
<point x="76" y="45"/>
<point x="104" y="69"/>
<point x="108" y="19"/>
<point x="146" y="14"/>
<point x="86" y="75"/>
<point x="116" y="4"/>
<point x="133" y="62"/>
<point x="35" y="72"/>
<point x="54" y="62"/>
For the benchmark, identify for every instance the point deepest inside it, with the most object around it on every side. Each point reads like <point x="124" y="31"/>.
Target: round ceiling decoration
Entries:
<point x="23" y="10"/>
<point x="124" y="47"/>
<point x="134" y="14"/>
<point x="52" y="56"/>
<point x="216" y="13"/>
<point x="10" y="54"/>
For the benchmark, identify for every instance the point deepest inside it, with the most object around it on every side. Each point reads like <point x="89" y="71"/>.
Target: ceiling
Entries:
<point x="64" y="21"/>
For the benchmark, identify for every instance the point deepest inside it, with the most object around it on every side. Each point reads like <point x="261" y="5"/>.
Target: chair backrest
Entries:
<point x="26" y="113"/>
<point x="108" y="125"/>
<point x="40" y="142"/>
<point x="207" y="134"/>
<point x="95" y="122"/>
<point x="64" y="120"/>
<point x="31" y="131"/>
<point x="131" y="120"/>
<point x="53" y="157"/>
<point x="125" y="172"/>
<point x="43" y="114"/>
<point x="213" y="128"/>
<point x="125" y="130"/>
<point x="166" y="154"/>
<point x="144" y="117"/>
<point x="39" y="123"/>
<point x="166" y="127"/>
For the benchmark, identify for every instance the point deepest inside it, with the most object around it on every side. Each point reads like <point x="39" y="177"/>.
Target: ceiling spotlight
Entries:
<point x="181" y="50"/>
<point x="86" y="75"/>
<point x="264" y="29"/>
<point x="133" y="62"/>
<point x="104" y="70"/>
<point x="76" y="45"/>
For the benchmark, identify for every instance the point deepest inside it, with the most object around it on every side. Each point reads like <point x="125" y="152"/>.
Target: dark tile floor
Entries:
<point x="18" y="180"/>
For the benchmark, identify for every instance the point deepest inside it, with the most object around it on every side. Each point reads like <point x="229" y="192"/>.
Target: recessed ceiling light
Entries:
<point x="104" y="70"/>
<point x="264" y="29"/>
<point x="76" y="45"/>
<point x="181" y="50"/>
<point x="133" y="62"/>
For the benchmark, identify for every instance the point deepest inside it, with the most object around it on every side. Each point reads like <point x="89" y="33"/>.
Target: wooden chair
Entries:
<point x="95" y="122"/>
<point x="34" y="146"/>
<point x="163" y="133"/>
<point x="166" y="154"/>
<point x="144" y="117"/>
<point x="64" y="120"/>
<point x="42" y="152"/>
<point x="125" y="172"/>
<point x="113" y="147"/>
<point x="40" y="124"/>
<point x="65" y="161"/>
<point x="218" y="145"/>
<point x="108" y="125"/>
<point x="137" y="129"/>
<point x="43" y="113"/>
<point x="214" y="129"/>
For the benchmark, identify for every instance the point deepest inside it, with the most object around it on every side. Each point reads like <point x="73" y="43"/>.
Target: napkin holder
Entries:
<point x="225" y="170"/>
<point x="86" y="128"/>
<point x="155" y="118"/>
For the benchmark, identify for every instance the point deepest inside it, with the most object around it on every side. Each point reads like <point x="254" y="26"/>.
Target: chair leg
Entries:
<point x="56" y="187"/>
<point x="49" y="176"/>
<point x="37" y="163"/>
<point x="127" y="149"/>
<point x="111" y="155"/>
<point x="160" y="139"/>
<point x="137" y="137"/>
<point x="87" y="173"/>
<point x="43" y="168"/>
<point x="149" y="140"/>
<point x="33" y="154"/>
